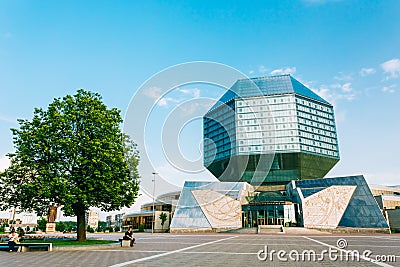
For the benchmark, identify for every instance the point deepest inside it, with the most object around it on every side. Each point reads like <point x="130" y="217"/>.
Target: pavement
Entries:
<point x="228" y="249"/>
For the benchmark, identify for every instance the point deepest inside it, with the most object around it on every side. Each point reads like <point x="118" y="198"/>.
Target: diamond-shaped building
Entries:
<point x="269" y="131"/>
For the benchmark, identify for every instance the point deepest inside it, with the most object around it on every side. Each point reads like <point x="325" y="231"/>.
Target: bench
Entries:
<point x="35" y="246"/>
<point x="25" y="246"/>
<point x="125" y="243"/>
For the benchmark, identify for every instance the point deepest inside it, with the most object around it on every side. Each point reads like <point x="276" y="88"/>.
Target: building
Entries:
<point x="149" y="219"/>
<point x="92" y="219"/>
<point x="115" y="220"/>
<point x="210" y="206"/>
<point x="388" y="199"/>
<point x="271" y="141"/>
<point x="269" y="131"/>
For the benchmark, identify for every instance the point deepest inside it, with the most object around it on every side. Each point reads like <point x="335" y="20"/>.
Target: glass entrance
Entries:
<point x="252" y="216"/>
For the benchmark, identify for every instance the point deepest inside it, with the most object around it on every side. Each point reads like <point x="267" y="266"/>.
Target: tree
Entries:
<point x="61" y="226"/>
<point x="163" y="218"/>
<point x="102" y="226"/>
<point x="41" y="224"/>
<point x="71" y="155"/>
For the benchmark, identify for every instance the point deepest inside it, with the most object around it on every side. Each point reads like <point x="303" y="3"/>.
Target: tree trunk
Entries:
<point x="81" y="229"/>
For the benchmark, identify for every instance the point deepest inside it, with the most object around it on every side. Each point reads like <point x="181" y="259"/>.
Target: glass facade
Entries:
<point x="362" y="209"/>
<point x="190" y="215"/>
<point x="272" y="128"/>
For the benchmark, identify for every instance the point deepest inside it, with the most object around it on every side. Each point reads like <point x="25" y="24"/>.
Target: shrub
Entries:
<point x="141" y="228"/>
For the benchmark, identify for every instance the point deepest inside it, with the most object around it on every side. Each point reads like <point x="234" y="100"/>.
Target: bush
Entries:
<point x="41" y="224"/>
<point x="141" y="228"/>
<point x="89" y="229"/>
<point x="60" y="226"/>
<point x="2" y="229"/>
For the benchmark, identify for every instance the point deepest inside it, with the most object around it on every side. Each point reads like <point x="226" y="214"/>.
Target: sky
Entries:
<point x="346" y="51"/>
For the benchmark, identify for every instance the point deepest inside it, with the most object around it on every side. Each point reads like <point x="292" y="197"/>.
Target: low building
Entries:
<point x="115" y="220"/>
<point x="341" y="204"/>
<point x="388" y="199"/>
<point x="149" y="219"/>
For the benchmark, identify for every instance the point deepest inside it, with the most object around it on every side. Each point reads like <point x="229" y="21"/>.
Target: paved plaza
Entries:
<point x="220" y="250"/>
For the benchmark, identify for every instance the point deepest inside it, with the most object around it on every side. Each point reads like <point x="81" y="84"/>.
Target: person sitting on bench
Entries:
<point x="12" y="240"/>
<point x="129" y="236"/>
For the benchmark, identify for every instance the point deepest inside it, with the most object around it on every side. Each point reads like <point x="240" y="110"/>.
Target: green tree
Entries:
<point x="163" y="218"/>
<point x="71" y="155"/>
<point x="41" y="224"/>
<point x="102" y="226"/>
<point x="61" y="226"/>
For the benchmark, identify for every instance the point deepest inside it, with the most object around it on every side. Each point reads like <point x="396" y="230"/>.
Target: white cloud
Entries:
<point x="344" y="77"/>
<point x="287" y="70"/>
<point x="367" y="71"/>
<point x="383" y="178"/>
<point x="346" y="87"/>
<point x="393" y="67"/>
<point x="262" y="69"/>
<point x="389" y="89"/>
<point x="4" y="163"/>
<point x="153" y="92"/>
<point x="251" y="72"/>
<point x="335" y="92"/>
<point x="195" y="92"/>
<point x="8" y="119"/>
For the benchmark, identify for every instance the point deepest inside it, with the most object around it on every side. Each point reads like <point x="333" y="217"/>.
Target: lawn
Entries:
<point x="63" y="243"/>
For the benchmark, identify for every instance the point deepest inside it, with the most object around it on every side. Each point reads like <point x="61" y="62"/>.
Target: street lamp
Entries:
<point x="154" y="212"/>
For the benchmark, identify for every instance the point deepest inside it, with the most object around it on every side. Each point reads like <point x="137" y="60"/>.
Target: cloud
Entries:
<point x="367" y="71"/>
<point x="4" y="163"/>
<point x="344" y="77"/>
<point x="346" y="87"/>
<point x="389" y="89"/>
<point x="156" y="93"/>
<point x="8" y="119"/>
<point x="393" y="67"/>
<point x="251" y="72"/>
<point x="195" y="92"/>
<point x="287" y="70"/>
<point x="262" y="69"/>
<point x="386" y="178"/>
<point x="153" y="92"/>
<point x="335" y="92"/>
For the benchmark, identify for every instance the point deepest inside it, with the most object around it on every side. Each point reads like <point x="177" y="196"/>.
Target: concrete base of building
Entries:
<point x="354" y="230"/>
<point x="270" y="229"/>
<point x="199" y="230"/>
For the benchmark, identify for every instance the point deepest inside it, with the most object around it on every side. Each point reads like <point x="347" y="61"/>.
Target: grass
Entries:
<point x="63" y="243"/>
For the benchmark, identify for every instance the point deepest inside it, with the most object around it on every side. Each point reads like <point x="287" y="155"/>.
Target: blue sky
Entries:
<point x="347" y="51"/>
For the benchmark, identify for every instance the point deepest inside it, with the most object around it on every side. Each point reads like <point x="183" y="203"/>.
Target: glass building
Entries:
<point x="269" y="131"/>
<point x="335" y="202"/>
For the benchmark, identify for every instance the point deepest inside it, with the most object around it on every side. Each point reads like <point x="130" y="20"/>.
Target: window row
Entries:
<point x="314" y="105"/>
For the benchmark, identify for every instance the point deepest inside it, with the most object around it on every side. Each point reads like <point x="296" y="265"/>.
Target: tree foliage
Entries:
<point x="61" y="226"/>
<point x="41" y="224"/>
<point x="71" y="155"/>
<point x="163" y="218"/>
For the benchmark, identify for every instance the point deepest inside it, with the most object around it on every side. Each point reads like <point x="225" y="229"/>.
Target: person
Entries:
<point x="12" y="240"/>
<point x="129" y="236"/>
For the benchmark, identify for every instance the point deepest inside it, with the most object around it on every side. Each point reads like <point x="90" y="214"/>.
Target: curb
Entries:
<point x="88" y="247"/>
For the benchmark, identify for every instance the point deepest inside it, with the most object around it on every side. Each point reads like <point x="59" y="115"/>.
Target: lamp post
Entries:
<point x="154" y="212"/>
